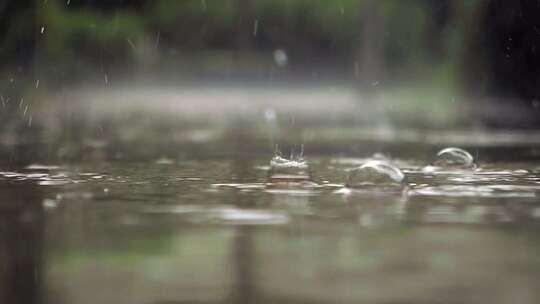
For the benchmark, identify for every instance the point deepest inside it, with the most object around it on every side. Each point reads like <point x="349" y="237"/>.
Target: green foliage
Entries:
<point x="66" y="28"/>
<point x="203" y="36"/>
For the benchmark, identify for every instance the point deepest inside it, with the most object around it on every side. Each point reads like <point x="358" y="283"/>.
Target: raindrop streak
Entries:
<point x="157" y="40"/>
<point x="375" y="173"/>
<point x="454" y="158"/>
<point x="131" y="44"/>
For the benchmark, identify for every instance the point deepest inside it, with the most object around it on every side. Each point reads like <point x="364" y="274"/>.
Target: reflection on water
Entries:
<point x="21" y="244"/>
<point x="216" y="231"/>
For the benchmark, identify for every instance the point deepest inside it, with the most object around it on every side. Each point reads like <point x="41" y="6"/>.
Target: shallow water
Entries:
<point x="214" y="231"/>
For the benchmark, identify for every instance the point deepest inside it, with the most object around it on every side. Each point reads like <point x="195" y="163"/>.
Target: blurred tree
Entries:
<point x="17" y="33"/>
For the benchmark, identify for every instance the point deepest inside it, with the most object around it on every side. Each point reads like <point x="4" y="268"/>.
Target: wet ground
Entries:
<point x="135" y="202"/>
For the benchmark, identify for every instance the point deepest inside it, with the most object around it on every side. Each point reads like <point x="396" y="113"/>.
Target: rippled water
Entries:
<point x="216" y="231"/>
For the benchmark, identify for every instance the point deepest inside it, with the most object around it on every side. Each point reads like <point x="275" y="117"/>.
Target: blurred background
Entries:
<point x="135" y="140"/>
<point x="136" y="79"/>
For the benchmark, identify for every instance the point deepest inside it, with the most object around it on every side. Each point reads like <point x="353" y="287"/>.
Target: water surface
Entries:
<point x="213" y="231"/>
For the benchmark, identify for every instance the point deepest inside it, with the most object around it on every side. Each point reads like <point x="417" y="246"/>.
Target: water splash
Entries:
<point x="283" y="170"/>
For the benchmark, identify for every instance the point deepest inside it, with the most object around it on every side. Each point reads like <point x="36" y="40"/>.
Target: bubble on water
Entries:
<point x="454" y="158"/>
<point x="375" y="173"/>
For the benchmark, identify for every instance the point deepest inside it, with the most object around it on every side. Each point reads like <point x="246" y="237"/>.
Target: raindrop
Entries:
<point x="454" y="158"/>
<point x="255" y="27"/>
<point x="270" y="115"/>
<point x="375" y="173"/>
<point x="280" y="57"/>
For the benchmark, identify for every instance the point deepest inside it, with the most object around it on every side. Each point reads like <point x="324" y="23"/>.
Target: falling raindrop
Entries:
<point x="280" y="57"/>
<point x="270" y="115"/>
<point x="375" y="173"/>
<point x="255" y="27"/>
<point x="454" y="158"/>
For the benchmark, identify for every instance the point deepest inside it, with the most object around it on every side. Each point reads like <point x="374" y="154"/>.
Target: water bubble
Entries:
<point x="375" y="173"/>
<point x="454" y="158"/>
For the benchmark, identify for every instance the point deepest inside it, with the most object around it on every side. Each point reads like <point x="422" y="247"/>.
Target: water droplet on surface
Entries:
<point x="375" y="173"/>
<point x="454" y="158"/>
